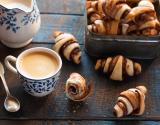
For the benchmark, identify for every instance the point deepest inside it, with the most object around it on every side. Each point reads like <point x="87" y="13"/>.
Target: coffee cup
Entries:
<point x="38" y="68"/>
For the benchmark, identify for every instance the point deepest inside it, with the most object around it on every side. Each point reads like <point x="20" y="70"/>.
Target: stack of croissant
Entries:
<point x="122" y="17"/>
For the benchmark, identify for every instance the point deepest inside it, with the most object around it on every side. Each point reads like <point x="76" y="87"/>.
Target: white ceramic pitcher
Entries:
<point x="19" y="22"/>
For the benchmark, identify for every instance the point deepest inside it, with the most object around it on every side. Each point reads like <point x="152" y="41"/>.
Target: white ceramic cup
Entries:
<point x="20" y="20"/>
<point x="35" y="86"/>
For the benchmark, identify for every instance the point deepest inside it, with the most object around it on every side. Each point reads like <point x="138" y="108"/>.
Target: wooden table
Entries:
<point x="68" y="16"/>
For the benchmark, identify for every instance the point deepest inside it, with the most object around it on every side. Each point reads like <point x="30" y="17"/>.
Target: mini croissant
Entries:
<point x="118" y="67"/>
<point x="93" y="15"/>
<point x="67" y="45"/>
<point x="97" y="6"/>
<point x="131" y="101"/>
<point x="111" y="27"/>
<point x="144" y="16"/>
<point x="98" y="27"/>
<point x="122" y="17"/>
<point x="76" y="88"/>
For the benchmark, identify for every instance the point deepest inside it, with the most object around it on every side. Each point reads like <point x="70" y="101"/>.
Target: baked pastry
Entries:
<point x="92" y="15"/>
<point x="97" y="6"/>
<point x="98" y="27"/>
<point x="110" y="27"/>
<point x="112" y="8"/>
<point x="118" y="67"/>
<point x="144" y="16"/>
<point x="131" y="101"/>
<point x="140" y="19"/>
<point x="67" y="45"/>
<point x="76" y="88"/>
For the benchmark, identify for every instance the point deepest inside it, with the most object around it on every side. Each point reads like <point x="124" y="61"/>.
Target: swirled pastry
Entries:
<point x="118" y="67"/>
<point x="76" y="88"/>
<point x="131" y="101"/>
<point x="93" y="15"/>
<point x="98" y="27"/>
<point x="67" y="45"/>
<point x="144" y="16"/>
<point x="140" y="19"/>
<point x="109" y="27"/>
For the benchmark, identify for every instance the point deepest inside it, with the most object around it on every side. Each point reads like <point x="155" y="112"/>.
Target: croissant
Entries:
<point x="109" y="7"/>
<point x="140" y="19"/>
<point x="67" y="45"/>
<point x="93" y="15"/>
<point x="111" y="27"/>
<point x="131" y="101"/>
<point x="144" y="16"/>
<point x="97" y="6"/>
<point x="97" y="27"/>
<point x="76" y="88"/>
<point x="118" y="67"/>
<point x="92" y="4"/>
<point x="114" y="8"/>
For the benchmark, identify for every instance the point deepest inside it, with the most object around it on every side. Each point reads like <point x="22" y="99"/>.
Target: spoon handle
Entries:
<point x="5" y="84"/>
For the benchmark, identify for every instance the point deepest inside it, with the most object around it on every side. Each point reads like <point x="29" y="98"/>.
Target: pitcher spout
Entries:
<point x="24" y="5"/>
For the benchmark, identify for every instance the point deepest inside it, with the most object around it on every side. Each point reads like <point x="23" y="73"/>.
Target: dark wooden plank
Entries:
<point x="66" y="23"/>
<point x="97" y="107"/>
<point x="5" y="122"/>
<point x="61" y="6"/>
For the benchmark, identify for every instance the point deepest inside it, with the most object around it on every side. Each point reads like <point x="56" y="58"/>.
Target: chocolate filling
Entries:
<point x="128" y="99"/>
<point x="143" y="18"/>
<point x="124" y="73"/>
<point x="131" y="23"/>
<point x="125" y="13"/>
<point x="73" y="53"/>
<point x="112" y="64"/>
<point x="123" y="107"/>
<point x="138" y="95"/>
<point x="73" y="90"/>
<point x="96" y="6"/>
<point x="132" y="27"/>
<point x="104" y="7"/>
<point x="67" y="43"/>
<point x="120" y="28"/>
<point x="91" y="14"/>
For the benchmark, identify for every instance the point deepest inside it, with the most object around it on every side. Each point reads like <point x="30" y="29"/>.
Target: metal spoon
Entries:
<point x="11" y="103"/>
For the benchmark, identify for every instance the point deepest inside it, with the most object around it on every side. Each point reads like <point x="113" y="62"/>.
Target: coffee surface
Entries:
<point x="39" y="64"/>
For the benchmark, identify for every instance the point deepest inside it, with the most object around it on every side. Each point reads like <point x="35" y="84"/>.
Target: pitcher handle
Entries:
<point x="8" y="64"/>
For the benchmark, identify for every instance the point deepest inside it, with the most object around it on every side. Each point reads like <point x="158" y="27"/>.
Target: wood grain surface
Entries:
<point x="98" y="106"/>
<point x="66" y="23"/>
<point x="64" y="7"/>
<point x="69" y="122"/>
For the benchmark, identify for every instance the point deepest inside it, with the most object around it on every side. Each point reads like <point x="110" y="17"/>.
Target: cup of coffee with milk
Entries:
<point x="38" y="68"/>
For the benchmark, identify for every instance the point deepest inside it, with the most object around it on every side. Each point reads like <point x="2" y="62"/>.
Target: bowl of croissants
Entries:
<point x="128" y="27"/>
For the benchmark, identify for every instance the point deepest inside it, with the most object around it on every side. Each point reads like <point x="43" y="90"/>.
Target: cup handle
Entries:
<point x="8" y="64"/>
